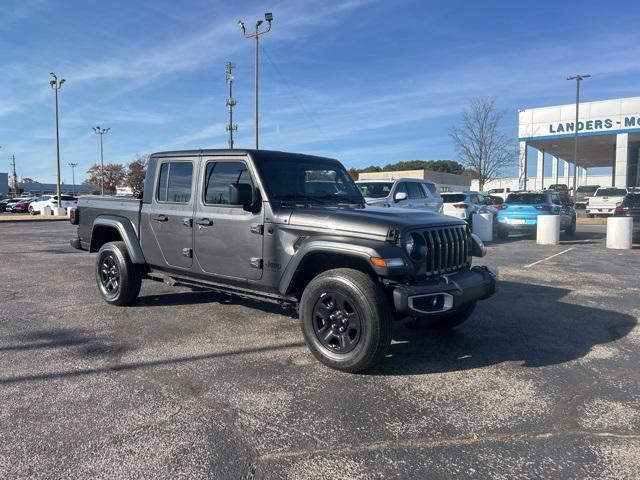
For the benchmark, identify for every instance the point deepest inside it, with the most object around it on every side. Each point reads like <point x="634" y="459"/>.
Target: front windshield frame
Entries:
<point x="285" y="178"/>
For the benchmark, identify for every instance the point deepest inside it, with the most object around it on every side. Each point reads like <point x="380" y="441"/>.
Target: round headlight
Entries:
<point x="409" y="245"/>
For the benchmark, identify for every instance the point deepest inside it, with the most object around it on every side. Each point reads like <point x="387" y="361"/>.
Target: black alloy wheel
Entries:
<point x="109" y="276"/>
<point x="336" y="322"/>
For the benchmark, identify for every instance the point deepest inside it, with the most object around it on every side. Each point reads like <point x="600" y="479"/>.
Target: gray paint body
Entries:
<point x="224" y="252"/>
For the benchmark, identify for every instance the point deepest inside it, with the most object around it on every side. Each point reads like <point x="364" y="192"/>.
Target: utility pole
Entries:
<point x="230" y="103"/>
<point x="73" y="177"/>
<point x="16" y="193"/>
<point x="578" y="78"/>
<point x="56" y="85"/>
<point x="269" y="18"/>
<point x="101" y="131"/>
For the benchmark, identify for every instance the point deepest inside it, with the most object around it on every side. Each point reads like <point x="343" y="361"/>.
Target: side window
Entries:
<point x="218" y="177"/>
<point x="474" y="199"/>
<point x="555" y="199"/>
<point x="432" y="188"/>
<point x="415" y="191"/>
<point x="174" y="182"/>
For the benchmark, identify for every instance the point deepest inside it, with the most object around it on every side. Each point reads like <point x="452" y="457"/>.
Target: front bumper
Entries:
<point x="448" y="293"/>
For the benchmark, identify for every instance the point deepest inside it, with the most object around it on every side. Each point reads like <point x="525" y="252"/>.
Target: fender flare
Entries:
<point x="345" y="247"/>
<point x="127" y="232"/>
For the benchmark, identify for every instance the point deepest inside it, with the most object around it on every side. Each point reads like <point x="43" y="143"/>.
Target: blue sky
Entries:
<point x="365" y="81"/>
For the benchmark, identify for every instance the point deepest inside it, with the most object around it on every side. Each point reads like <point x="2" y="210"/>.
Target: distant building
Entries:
<point x="446" y="182"/>
<point x="4" y="183"/>
<point x="37" y="188"/>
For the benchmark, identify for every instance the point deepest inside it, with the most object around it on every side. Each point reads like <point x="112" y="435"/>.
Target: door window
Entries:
<point x="432" y="188"/>
<point x="401" y="188"/>
<point x="415" y="191"/>
<point x="218" y="177"/>
<point x="174" y="182"/>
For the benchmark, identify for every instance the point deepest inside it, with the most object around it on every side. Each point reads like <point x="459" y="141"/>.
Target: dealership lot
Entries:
<point x="542" y="382"/>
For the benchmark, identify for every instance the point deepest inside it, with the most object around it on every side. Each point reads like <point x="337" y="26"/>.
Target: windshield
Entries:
<point x="527" y="198"/>
<point x="632" y="200"/>
<point x="586" y="189"/>
<point x="299" y="178"/>
<point x="375" y="189"/>
<point x="453" y="197"/>
<point x="611" y="192"/>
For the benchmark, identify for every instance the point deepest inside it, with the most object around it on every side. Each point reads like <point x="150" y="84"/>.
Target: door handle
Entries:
<point x="160" y="218"/>
<point x="205" y="222"/>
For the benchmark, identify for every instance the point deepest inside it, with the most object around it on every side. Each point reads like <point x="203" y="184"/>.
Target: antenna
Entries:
<point x="230" y="127"/>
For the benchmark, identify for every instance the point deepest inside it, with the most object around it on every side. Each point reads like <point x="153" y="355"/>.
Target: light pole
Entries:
<point x="101" y="131"/>
<point x="269" y="18"/>
<point x="56" y="85"/>
<point x="578" y="78"/>
<point x="73" y="177"/>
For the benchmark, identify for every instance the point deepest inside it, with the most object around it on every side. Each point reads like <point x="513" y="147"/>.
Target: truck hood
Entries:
<point x="370" y="220"/>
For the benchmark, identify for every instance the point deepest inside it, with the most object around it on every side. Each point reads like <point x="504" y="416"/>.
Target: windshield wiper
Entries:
<point x="297" y="199"/>
<point x="342" y="199"/>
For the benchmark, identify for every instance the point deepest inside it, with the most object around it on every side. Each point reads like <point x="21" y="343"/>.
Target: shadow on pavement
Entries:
<point x="522" y="323"/>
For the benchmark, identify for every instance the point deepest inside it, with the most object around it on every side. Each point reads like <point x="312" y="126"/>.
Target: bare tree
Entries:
<point x="480" y="143"/>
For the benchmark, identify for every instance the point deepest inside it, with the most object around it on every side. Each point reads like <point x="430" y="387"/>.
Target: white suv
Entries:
<point x="51" y="201"/>
<point x="402" y="193"/>
<point x="464" y="204"/>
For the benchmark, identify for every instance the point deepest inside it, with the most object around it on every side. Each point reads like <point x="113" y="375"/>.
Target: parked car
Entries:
<point x="464" y="205"/>
<point x="563" y="190"/>
<point x="500" y="192"/>
<point x="630" y="207"/>
<point x="402" y="193"/>
<point x="245" y="222"/>
<point x="23" y="205"/>
<point x="3" y="204"/>
<point x="51" y="201"/>
<point x="10" y="203"/>
<point x="605" y="201"/>
<point x="520" y="212"/>
<point x="582" y="195"/>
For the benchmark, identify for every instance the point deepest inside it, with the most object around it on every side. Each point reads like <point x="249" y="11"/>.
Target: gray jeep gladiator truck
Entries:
<point x="290" y="229"/>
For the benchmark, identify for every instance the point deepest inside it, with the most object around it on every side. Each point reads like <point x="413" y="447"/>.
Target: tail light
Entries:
<point x="620" y="210"/>
<point x="460" y="205"/>
<point x="74" y="216"/>
<point x="544" y="208"/>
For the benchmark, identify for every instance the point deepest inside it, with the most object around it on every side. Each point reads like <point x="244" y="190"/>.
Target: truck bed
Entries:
<point x="89" y="207"/>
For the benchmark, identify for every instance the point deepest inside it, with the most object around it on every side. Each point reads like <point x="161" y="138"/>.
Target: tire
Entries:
<point x="503" y="233"/>
<point x="31" y="210"/>
<point x="444" y="321"/>
<point x="118" y="279"/>
<point x="590" y="215"/>
<point x="348" y="299"/>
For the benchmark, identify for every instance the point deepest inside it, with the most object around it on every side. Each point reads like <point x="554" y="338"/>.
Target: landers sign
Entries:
<point x="595" y="125"/>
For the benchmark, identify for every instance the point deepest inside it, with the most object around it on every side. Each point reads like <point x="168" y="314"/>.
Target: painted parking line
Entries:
<point x="548" y="258"/>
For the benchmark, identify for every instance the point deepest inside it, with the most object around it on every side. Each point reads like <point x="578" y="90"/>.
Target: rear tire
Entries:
<point x="444" y="321"/>
<point x="503" y="233"/>
<point x="571" y="231"/>
<point x="119" y="280"/>
<point x="345" y="320"/>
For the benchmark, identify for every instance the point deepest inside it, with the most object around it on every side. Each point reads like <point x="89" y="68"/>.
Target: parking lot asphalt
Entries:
<point x="543" y="381"/>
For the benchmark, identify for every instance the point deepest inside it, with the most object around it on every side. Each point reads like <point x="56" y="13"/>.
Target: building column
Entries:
<point x="540" y="171"/>
<point x="565" y="172"/>
<point x="522" y="166"/>
<point x="554" y="169"/>
<point x="621" y="160"/>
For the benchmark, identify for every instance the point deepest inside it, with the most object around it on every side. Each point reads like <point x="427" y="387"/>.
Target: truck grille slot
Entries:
<point x="447" y="249"/>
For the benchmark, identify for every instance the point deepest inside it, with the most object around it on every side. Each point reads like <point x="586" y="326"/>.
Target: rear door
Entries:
<point x="401" y="187"/>
<point x="170" y="215"/>
<point x="228" y="238"/>
<point x="417" y="196"/>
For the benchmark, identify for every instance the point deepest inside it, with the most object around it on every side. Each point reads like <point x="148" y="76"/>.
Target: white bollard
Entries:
<point x="46" y="210"/>
<point x="483" y="226"/>
<point x="68" y="213"/>
<point x="548" y="230"/>
<point x="59" y="211"/>
<point x="620" y="232"/>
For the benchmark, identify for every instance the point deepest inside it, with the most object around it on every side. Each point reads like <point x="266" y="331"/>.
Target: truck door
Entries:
<point x="170" y="216"/>
<point x="228" y="238"/>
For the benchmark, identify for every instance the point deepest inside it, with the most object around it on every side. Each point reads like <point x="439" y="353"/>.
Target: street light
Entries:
<point x="269" y="18"/>
<point x="578" y="78"/>
<point x="101" y="131"/>
<point x="56" y="85"/>
<point x="73" y="177"/>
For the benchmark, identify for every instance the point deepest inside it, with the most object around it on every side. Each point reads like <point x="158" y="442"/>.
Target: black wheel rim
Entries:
<point x="109" y="276"/>
<point x="336" y="322"/>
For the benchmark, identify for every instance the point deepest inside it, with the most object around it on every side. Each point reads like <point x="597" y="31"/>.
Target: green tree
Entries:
<point x="136" y="172"/>
<point x="114" y="176"/>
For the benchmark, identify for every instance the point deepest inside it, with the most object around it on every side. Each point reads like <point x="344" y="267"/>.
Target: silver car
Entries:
<point x="402" y="193"/>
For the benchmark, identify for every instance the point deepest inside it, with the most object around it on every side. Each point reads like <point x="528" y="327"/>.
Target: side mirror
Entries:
<point x="398" y="197"/>
<point x="241" y="194"/>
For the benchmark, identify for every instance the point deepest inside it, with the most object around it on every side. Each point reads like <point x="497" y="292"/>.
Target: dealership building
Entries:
<point x="608" y="136"/>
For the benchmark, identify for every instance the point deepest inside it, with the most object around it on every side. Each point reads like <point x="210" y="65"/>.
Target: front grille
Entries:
<point x="447" y="249"/>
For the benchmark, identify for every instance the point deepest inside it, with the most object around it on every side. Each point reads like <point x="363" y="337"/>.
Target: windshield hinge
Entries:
<point x="257" y="229"/>
<point x="393" y="235"/>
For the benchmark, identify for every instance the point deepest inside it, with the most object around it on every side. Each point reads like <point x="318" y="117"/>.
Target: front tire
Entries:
<point x="445" y="321"/>
<point x="346" y="320"/>
<point x="119" y="280"/>
<point x="503" y="233"/>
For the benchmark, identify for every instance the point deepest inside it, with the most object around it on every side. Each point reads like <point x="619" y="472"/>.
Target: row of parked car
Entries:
<point x="36" y="205"/>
